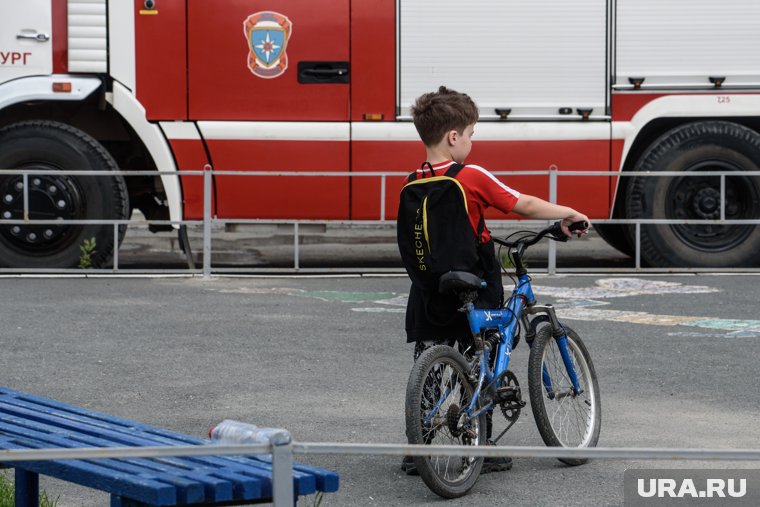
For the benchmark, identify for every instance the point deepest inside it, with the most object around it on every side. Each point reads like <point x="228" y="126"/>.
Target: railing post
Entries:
<point x="295" y="246"/>
<point x="207" y="221"/>
<point x="26" y="196"/>
<point x="116" y="246"/>
<point x="282" y="475"/>
<point x="638" y="246"/>
<point x="382" y="197"/>
<point x="722" y="197"/>
<point x="552" y="260"/>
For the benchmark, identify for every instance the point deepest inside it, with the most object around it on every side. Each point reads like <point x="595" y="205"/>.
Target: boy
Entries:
<point x="445" y="121"/>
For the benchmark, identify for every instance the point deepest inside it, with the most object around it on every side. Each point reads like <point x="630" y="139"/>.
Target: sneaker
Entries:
<point x="408" y="466"/>
<point x="496" y="465"/>
<point x="501" y="464"/>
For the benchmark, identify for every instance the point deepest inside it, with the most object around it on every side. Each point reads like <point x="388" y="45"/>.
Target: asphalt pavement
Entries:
<point x="326" y="358"/>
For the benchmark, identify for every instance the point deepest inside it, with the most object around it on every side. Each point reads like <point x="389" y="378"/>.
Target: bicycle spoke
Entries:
<point x="569" y="413"/>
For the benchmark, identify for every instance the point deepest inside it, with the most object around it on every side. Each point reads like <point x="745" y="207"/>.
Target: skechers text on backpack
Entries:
<point x="433" y="228"/>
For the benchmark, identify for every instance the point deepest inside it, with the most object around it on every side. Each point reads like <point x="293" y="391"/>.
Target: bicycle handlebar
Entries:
<point x="554" y="232"/>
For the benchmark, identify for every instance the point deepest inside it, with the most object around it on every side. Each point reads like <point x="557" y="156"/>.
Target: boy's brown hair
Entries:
<point x="439" y="112"/>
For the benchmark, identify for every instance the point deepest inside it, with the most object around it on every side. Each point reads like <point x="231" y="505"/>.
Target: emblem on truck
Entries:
<point x="267" y="34"/>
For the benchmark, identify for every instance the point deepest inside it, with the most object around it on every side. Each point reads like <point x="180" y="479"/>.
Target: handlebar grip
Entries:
<point x="578" y="226"/>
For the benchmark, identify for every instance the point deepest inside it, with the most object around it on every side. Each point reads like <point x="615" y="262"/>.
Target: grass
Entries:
<point x="7" y="498"/>
<point x="88" y="249"/>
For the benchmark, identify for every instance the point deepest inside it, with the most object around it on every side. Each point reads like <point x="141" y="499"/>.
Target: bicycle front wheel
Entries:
<point x="565" y="418"/>
<point x="437" y="395"/>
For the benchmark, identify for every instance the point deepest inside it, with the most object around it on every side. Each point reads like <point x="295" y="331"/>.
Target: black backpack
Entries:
<point x="433" y="228"/>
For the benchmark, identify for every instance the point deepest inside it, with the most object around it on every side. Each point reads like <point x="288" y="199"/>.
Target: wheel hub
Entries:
<point x="50" y="197"/>
<point x="698" y="197"/>
<point x="452" y="420"/>
<point x="707" y="203"/>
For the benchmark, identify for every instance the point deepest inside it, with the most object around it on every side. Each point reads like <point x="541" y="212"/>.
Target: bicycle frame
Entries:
<point x="505" y="320"/>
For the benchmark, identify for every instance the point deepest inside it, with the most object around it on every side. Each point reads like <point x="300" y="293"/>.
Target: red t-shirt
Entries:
<point x="482" y="190"/>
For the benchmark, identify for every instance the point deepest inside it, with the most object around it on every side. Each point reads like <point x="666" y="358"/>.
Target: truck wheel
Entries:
<point x="51" y="146"/>
<point x="617" y="237"/>
<point x="699" y="147"/>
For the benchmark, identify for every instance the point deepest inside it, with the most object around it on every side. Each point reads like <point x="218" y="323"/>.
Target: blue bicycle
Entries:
<point x="450" y="394"/>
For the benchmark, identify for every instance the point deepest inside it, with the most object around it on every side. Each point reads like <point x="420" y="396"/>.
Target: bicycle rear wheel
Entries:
<point x="564" y="419"/>
<point x="437" y="394"/>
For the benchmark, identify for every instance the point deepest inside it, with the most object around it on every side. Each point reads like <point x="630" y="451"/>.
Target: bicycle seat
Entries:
<point x="457" y="281"/>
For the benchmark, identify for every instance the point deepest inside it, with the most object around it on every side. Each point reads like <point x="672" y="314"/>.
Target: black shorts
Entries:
<point x="434" y="316"/>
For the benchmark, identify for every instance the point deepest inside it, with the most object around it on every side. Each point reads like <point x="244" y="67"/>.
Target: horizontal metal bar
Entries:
<point x="11" y="456"/>
<point x="646" y="453"/>
<point x="376" y="174"/>
<point x="266" y="272"/>
<point x="656" y="173"/>
<point x="673" y="221"/>
<point x="242" y="221"/>
<point x="650" y="270"/>
<point x="74" y="172"/>
<point x="530" y="452"/>
<point x="62" y="221"/>
<point x="90" y="272"/>
<point x="302" y="270"/>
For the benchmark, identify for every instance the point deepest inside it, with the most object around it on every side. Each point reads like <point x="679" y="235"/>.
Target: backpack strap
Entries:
<point x="452" y="172"/>
<point x="413" y="176"/>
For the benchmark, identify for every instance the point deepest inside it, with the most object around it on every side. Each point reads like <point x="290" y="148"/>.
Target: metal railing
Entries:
<point x="282" y="455"/>
<point x="209" y="220"/>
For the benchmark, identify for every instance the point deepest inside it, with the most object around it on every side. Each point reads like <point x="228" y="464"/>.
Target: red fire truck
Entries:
<point x="314" y="86"/>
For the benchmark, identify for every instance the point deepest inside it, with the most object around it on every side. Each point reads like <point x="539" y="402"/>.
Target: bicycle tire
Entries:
<point x="551" y="413"/>
<point x="439" y="367"/>
<point x="535" y="322"/>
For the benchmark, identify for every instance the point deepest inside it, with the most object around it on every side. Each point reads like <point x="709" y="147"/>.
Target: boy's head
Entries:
<point x="438" y="113"/>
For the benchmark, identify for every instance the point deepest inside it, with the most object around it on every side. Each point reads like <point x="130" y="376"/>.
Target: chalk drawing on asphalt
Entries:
<point x="572" y="303"/>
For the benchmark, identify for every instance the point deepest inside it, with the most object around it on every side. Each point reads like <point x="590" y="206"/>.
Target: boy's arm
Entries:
<point x="534" y="207"/>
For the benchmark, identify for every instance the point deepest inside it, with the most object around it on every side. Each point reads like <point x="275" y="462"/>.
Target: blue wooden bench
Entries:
<point x="32" y="422"/>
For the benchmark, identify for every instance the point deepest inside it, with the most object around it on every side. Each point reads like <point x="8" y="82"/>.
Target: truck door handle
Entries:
<point x="323" y="72"/>
<point x="32" y="35"/>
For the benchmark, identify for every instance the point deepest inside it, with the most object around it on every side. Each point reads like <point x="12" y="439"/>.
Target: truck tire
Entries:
<point x="50" y="146"/>
<point x="695" y="147"/>
<point x="617" y="237"/>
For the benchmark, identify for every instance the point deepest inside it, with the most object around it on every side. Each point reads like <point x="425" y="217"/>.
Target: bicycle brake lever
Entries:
<point x="556" y="232"/>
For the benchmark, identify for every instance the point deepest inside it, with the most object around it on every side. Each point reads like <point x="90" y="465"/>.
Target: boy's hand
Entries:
<point x="573" y="218"/>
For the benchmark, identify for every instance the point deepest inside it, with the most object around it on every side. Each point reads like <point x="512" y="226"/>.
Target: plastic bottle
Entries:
<point x="230" y="432"/>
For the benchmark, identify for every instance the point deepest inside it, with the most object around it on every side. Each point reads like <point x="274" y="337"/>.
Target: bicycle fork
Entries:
<point x="560" y="335"/>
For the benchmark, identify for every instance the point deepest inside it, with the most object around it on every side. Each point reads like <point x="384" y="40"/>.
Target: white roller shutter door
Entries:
<point x="531" y="56"/>
<point x="685" y="42"/>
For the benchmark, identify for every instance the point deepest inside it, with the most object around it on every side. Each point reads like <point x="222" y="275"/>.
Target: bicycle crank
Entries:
<point x="510" y="400"/>
<point x="509" y="397"/>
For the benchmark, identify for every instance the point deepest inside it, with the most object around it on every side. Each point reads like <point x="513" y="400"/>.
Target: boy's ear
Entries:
<point x="452" y="136"/>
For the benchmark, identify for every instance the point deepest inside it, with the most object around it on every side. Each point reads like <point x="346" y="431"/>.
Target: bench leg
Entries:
<point x="117" y="501"/>
<point x="27" y="488"/>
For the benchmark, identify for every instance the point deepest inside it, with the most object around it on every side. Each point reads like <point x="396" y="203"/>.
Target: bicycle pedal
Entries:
<point x="508" y="394"/>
